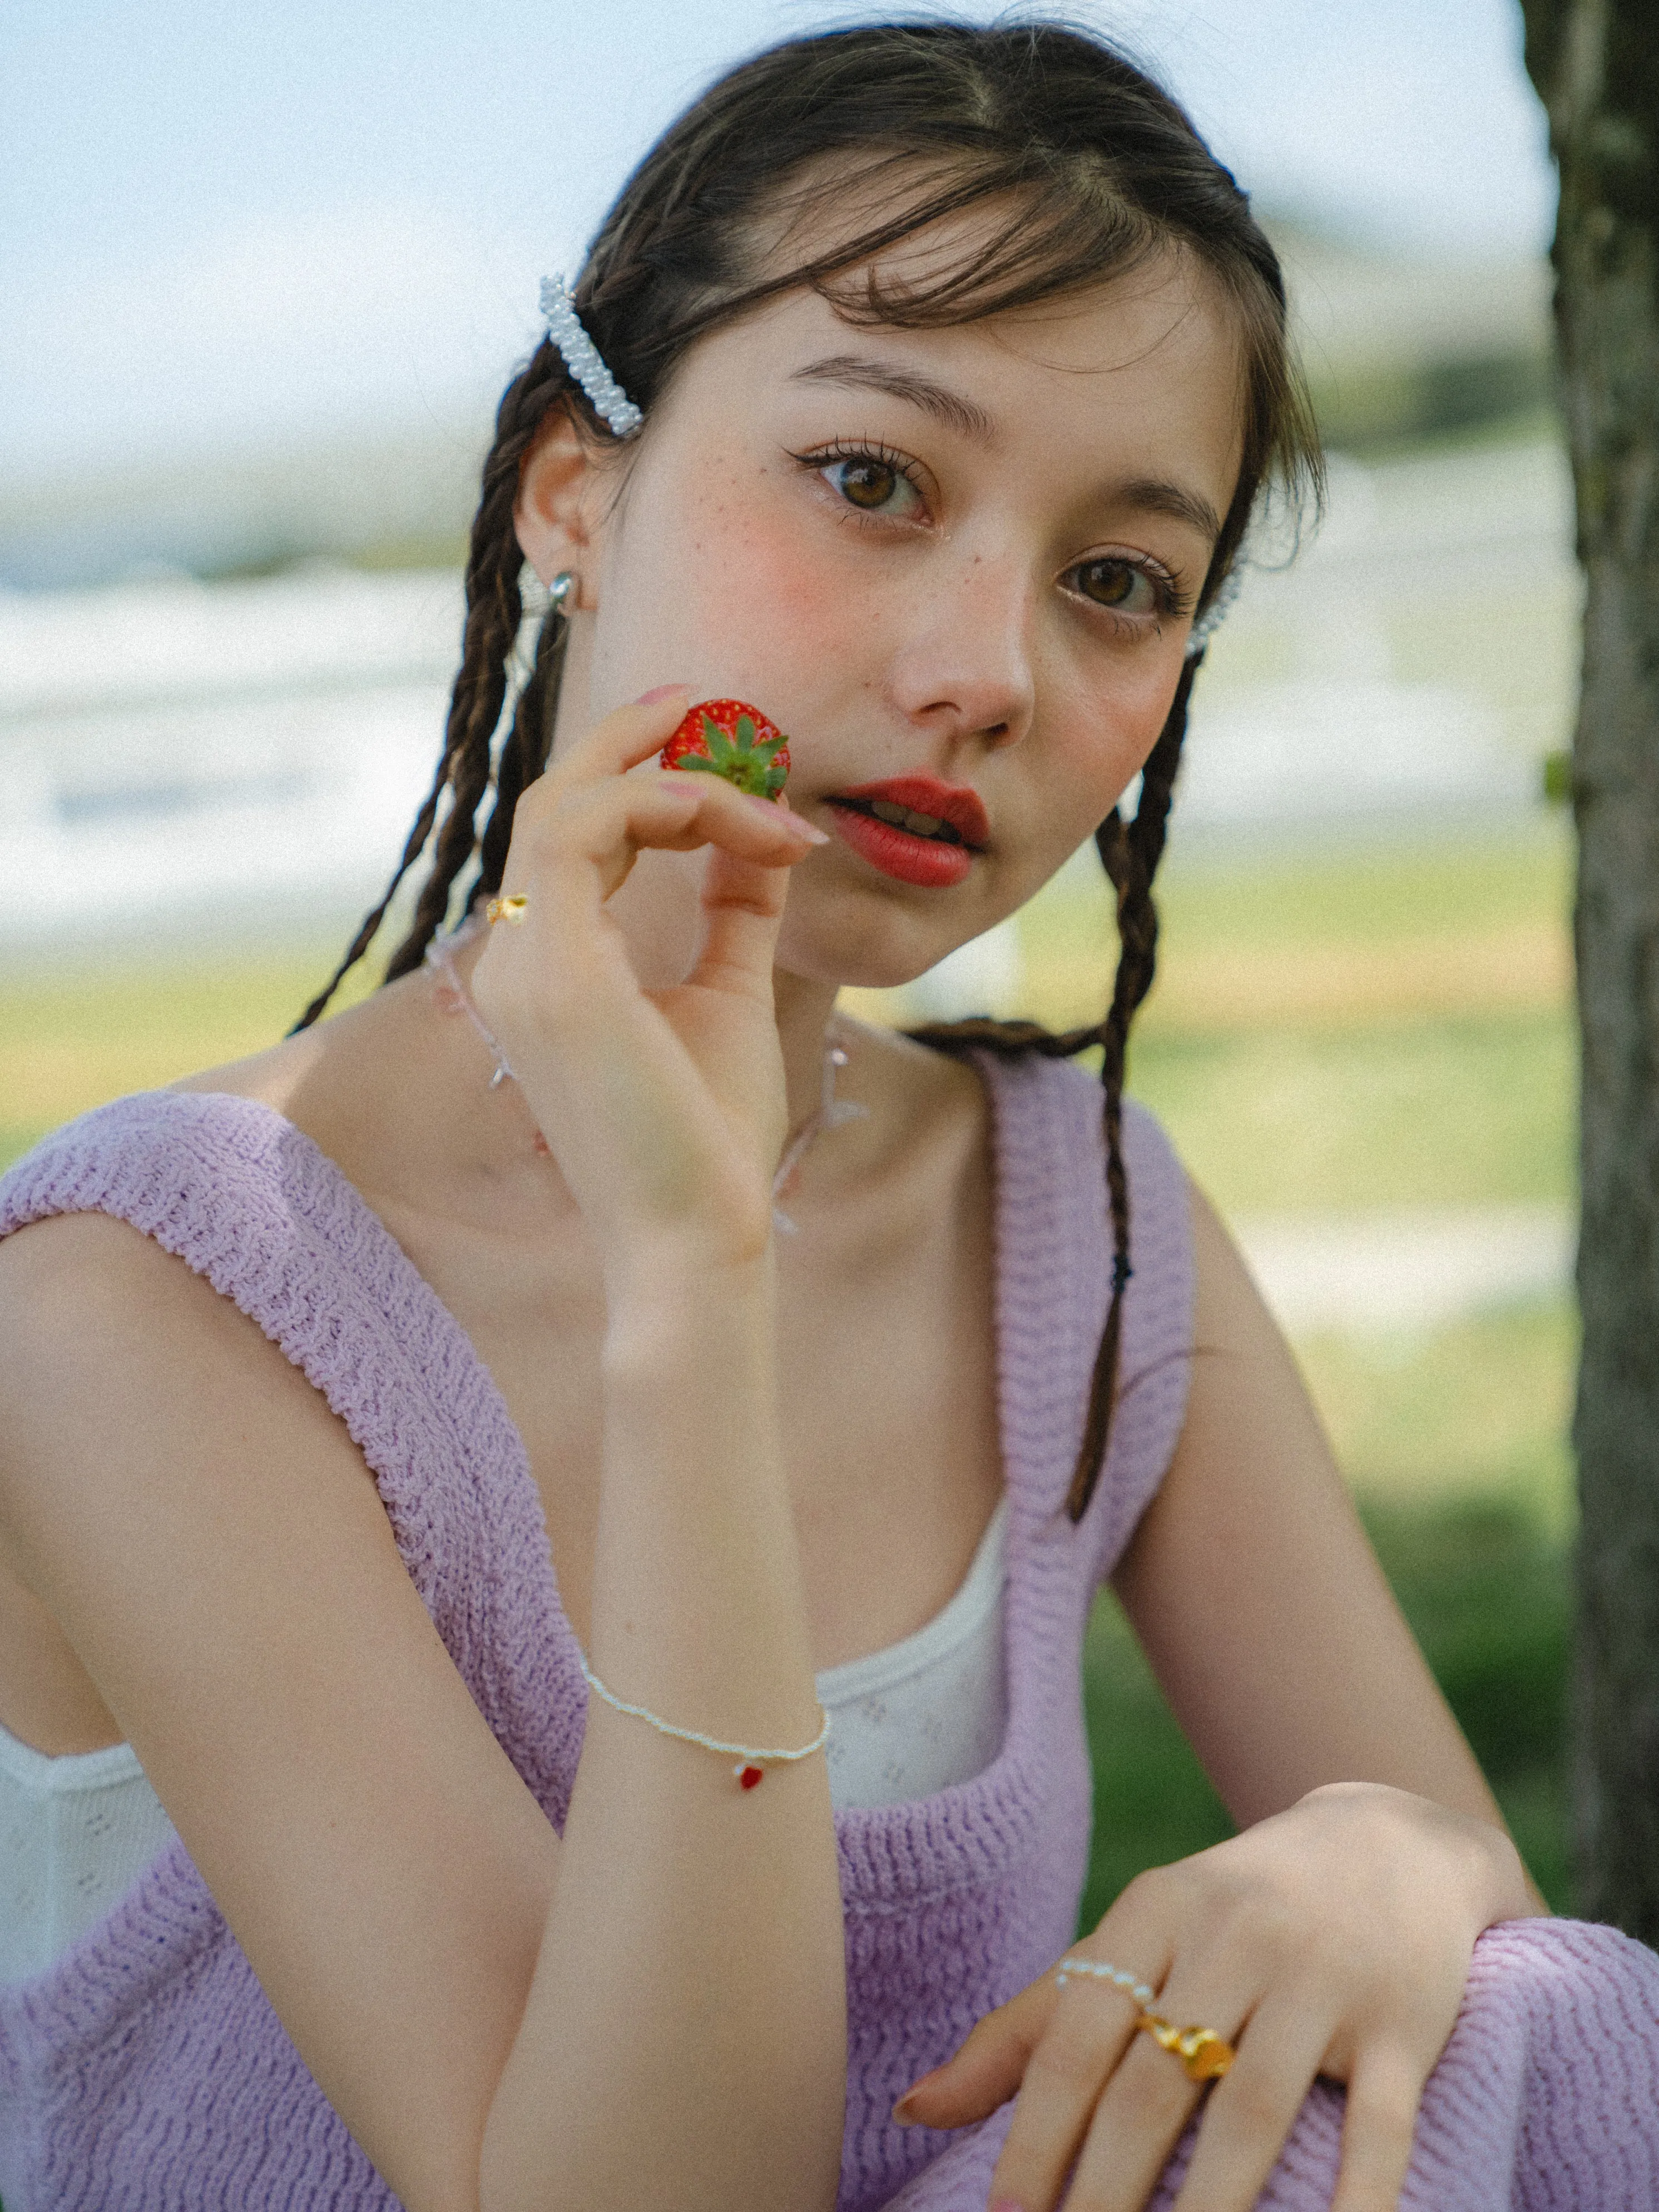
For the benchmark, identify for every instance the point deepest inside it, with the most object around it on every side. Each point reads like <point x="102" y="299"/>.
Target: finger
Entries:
<point x="1143" y="2109"/>
<point x="623" y="738"/>
<point x="1081" y="2053"/>
<point x="1135" y="2124"/>
<point x="742" y="909"/>
<point x="607" y="825"/>
<point x="1384" y="2094"/>
<point x="988" y="2068"/>
<point x="1252" y="2109"/>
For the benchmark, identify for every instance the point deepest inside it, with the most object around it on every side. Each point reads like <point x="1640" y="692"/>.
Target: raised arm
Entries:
<point x="650" y="2011"/>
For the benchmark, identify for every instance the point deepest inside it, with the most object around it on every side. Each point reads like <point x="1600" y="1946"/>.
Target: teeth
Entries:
<point x="903" y="817"/>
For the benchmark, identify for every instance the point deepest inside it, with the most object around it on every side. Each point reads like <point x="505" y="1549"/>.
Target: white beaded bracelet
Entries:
<point x="582" y="359"/>
<point x="751" y="1769"/>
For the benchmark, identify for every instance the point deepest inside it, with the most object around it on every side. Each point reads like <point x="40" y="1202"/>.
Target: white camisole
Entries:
<point x="75" y="1832"/>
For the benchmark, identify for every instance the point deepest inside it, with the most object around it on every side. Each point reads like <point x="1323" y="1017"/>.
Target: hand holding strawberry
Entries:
<point x="724" y="737"/>
<point x="664" y="1107"/>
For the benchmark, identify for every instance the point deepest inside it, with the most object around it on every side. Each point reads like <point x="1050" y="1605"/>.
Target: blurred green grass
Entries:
<point x="1337" y="1028"/>
<point x="1335" y="1032"/>
<point x="1332" y="1030"/>
<point x="72" y="1036"/>
<point x="1483" y="1576"/>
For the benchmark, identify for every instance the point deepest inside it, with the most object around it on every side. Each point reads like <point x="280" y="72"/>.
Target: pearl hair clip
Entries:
<point x="582" y="359"/>
<point x="1215" y="614"/>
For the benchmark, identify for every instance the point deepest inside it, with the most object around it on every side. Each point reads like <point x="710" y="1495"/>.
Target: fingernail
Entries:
<point x="905" y="2112"/>
<point x="662" y="691"/>
<point x="782" y="816"/>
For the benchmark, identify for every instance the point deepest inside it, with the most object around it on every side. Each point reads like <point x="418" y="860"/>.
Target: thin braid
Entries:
<point x="494" y="610"/>
<point x="493" y="614"/>
<point x="1130" y="852"/>
<point x="523" y="756"/>
<point x="360" y="944"/>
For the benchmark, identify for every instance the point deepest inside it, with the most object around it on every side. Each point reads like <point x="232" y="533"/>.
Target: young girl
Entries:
<point x="451" y="1464"/>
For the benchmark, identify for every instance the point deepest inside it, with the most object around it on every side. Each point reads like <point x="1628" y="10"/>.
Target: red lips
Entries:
<point x="931" y="862"/>
<point x="924" y="794"/>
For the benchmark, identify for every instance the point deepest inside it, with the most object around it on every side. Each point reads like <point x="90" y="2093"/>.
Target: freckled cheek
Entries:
<point x="765" y="585"/>
<point x="1110" y="737"/>
<point x="743" y="577"/>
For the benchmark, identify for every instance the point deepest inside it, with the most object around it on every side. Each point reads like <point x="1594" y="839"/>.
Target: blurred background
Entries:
<point x="266" y="276"/>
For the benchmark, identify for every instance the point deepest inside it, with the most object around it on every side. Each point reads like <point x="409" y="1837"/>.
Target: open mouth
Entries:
<point x="903" y="843"/>
<point x="930" y="826"/>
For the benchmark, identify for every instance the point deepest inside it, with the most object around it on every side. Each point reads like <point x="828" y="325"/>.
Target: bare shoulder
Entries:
<point x="344" y="1051"/>
<point x="90" y="1284"/>
<point x="1230" y="1311"/>
<point x="78" y="1291"/>
<point x="114" y="1353"/>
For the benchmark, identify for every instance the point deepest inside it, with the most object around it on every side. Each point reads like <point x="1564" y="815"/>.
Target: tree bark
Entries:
<point x="1595" y="64"/>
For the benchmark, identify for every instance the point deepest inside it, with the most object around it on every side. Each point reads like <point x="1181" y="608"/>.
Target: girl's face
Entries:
<point x="957" y="566"/>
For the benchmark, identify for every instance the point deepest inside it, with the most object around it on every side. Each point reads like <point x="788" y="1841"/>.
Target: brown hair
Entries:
<point x="1084" y="169"/>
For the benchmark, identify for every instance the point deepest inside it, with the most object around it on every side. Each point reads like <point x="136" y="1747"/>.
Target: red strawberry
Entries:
<point x="722" y="737"/>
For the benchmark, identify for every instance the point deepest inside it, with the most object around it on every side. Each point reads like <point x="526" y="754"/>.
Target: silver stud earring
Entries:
<point x="562" y="588"/>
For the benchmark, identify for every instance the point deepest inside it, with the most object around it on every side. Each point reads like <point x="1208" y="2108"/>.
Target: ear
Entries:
<point x="558" y="499"/>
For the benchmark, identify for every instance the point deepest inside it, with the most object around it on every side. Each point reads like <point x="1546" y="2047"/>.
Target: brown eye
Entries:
<point x="1109" y="583"/>
<point x="868" y="483"/>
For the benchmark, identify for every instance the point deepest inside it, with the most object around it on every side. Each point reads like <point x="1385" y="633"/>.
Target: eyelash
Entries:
<point x="886" y="457"/>
<point x="1174" y="599"/>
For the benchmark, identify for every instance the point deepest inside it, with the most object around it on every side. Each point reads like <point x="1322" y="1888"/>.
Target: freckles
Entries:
<point x="766" y="572"/>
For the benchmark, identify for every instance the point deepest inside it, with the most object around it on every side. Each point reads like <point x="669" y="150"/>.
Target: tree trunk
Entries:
<point x="1595" y="64"/>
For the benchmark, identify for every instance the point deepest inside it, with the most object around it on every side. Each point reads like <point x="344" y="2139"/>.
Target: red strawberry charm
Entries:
<point x="749" y="1777"/>
<point x="723" y="737"/>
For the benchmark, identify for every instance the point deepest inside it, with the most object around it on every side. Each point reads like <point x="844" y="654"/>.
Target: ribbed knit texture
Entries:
<point x="147" y="2071"/>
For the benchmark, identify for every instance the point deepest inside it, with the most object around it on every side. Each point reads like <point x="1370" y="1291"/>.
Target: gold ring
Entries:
<point x="510" y="908"/>
<point x="1202" y="2052"/>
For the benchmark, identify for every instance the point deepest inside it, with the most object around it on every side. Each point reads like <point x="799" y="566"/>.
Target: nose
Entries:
<point x="964" y="663"/>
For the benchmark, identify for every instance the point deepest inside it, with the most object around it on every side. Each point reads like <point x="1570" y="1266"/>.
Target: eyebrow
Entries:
<point x="1158" y="496"/>
<point x="1148" y="494"/>
<point x="890" y="376"/>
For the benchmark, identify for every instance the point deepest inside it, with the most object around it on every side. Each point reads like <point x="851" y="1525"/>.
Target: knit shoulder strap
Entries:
<point x="1053" y="1272"/>
<point x="249" y="1202"/>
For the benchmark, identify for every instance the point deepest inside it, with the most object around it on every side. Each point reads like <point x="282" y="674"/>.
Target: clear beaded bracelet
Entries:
<point x="752" y="1763"/>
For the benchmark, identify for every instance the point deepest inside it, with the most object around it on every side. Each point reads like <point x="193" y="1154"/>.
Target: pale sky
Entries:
<point x="222" y="224"/>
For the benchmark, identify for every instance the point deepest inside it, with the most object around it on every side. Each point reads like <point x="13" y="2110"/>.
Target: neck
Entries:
<point x="803" y="1009"/>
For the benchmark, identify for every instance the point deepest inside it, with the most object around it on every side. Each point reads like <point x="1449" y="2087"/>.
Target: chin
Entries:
<point x="869" y="951"/>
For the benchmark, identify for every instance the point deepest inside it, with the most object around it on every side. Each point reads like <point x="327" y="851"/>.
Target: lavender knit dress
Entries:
<point x="146" y="2070"/>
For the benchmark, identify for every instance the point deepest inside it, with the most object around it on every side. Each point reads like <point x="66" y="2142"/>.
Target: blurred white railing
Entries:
<point x="174" y="754"/>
